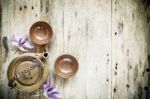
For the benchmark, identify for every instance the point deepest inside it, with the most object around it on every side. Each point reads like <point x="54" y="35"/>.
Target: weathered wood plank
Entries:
<point x="108" y="37"/>
<point x="82" y="28"/>
<point x="129" y="49"/>
<point x="17" y="16"/>
<point x="1" y="85"/>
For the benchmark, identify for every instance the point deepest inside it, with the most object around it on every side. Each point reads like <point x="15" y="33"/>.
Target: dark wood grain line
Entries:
<point x="1" y="90"/>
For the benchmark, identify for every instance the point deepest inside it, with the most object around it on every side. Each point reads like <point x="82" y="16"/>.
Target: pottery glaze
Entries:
<point x="32" y="80"/>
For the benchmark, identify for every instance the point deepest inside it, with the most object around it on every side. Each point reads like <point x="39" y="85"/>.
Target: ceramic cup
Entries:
<point x="66" y="66"/>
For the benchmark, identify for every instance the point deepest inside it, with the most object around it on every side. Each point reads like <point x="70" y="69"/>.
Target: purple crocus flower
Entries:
<point x="51" y="91"/>
<point x="21" y="42"/>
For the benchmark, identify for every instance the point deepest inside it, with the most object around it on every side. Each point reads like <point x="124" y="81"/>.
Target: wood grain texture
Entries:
<point x="130" y="41"/>
<point x="110" y="39"/>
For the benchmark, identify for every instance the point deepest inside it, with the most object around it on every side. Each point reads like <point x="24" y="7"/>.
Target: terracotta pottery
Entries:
<point x="32" y="80"/>
<point x="66" y="66"/>
<point x="40" y="34"/>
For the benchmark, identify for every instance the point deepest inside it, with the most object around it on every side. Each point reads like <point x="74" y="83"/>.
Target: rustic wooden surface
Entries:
<point x="110" y="39"/>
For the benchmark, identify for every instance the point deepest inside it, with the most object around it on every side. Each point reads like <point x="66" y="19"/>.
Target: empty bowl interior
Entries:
<point x="66" y="66"/>
<point x="40" y="33"/>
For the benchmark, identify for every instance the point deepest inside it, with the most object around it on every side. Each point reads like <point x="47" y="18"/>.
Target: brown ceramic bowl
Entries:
<point x="66" y="66"/>
<point x="41" y="33"/>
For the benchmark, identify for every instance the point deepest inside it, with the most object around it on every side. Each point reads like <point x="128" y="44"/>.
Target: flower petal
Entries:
<point x="15" y="43"/>
<point x="22" y="49"/>
<point x="16" y="37"/>
<point x="23" y="38"/>
<point x="46" y="86"/>
<point x="54" y="96"/>
<point x="28" y="45"/>
<point x="21" y="41"/>
<point x="50" y="90"/>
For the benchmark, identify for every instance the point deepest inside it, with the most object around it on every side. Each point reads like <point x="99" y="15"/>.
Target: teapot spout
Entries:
<point x="42" y="56"/>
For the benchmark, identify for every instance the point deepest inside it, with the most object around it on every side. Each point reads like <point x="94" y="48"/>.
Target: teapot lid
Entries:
<point x="31" y="80"/>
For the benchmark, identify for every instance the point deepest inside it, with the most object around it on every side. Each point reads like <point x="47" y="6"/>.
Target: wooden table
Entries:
<point x="110" y="39"/>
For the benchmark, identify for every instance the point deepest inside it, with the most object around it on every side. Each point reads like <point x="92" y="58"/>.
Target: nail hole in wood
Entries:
<point x="25" y="6"/>
<point x="130" y="67"/>
<point x="148" y="70"/>
<point x="127" y="85"/>
<point x="146" y="88"/>
<point x="20" y="8"/>
<point x="107" y="79"/>
<point x="114" y="90"/>
<point x="116" y="66"/>
<point x="108" y="60"/>
<point x="32" y="8"/>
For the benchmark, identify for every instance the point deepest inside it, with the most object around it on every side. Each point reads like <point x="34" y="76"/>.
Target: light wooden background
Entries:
<point x="110" y="39"/>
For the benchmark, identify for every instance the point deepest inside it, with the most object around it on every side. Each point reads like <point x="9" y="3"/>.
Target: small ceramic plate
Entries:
<point x="32" y="80"/>
<point x="66" y="66"/>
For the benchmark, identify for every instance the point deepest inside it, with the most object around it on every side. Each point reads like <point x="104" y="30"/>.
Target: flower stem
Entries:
<point x="37" y="94"/>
